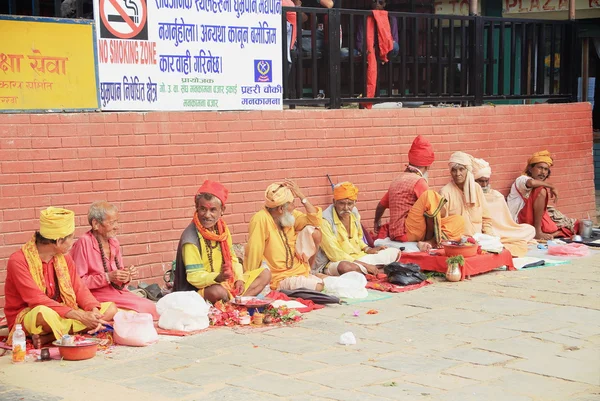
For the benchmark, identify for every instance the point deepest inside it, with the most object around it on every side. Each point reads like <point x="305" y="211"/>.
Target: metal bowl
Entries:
<point x="576" y="238"/>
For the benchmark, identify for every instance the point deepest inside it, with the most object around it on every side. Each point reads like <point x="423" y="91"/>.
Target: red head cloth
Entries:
<point x="421" y="153"/>
<point x="214" y="188"/>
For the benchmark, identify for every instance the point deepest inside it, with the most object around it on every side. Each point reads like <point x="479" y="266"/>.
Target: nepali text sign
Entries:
<point x="47" y="65"/>
<point x="189" y="54"/>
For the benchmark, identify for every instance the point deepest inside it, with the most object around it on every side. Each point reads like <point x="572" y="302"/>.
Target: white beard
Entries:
<point x="487" y="189"/>
<point x="287" y="220"/>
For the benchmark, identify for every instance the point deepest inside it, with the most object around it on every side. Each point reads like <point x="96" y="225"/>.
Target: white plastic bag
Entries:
<point x="183" y="310"/>
<point x="347" y="338"/>
<point x="348" y="285"/>
<point x="134" y="329"/>
<point x="489" y="243"/>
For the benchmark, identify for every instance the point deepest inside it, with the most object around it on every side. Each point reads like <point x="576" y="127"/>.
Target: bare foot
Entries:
<point x="39" y="340"/>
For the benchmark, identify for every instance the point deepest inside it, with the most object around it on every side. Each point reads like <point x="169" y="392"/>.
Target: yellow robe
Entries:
<point x="476" y="216"/>
<point x="513" y="236"/>
<point x="341" y="245"/>
<point x="198" y="268"/>
<point x="265" y="243"/>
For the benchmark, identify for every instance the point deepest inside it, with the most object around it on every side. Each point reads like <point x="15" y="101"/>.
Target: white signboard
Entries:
<point x="189" y="54"/>
<point x="534" y="6"/>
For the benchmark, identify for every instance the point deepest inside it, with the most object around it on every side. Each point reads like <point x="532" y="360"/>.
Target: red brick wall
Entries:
<point x="150" y="164"/>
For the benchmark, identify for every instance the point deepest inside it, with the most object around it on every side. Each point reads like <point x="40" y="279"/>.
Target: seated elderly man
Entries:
<point x="97" y="255"/>
<point x="414" y="208"/>
<point x="529" y="196"/>
<point x="43" y="292"/>
<point x="513" y="236"/>
<point x="342" y="246"/>
<point x="285" y="239"/>
<point x="205" y="259"/>
<point x="465" y="197"/>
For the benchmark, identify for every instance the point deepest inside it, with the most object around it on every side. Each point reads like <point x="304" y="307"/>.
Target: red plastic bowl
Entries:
<point x="464" y="250"/>
<point x="80" y="352"/>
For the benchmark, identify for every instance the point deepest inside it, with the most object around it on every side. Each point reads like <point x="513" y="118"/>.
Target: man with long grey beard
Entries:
<point x="285" y="239"/>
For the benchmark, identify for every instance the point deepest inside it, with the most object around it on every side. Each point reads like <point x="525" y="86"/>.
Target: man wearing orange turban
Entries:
<point x="414" y="208"/>
<point x="343" y="248"/>
<point x="43" y="291"/>
<point x="284" y="239"/>
<point x="529" y="196"/>
<point x="205" y="260"/>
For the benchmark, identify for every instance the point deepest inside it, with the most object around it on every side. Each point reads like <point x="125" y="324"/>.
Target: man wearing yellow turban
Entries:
<point x="529" y="196"/>
<point x="465" y="198"/>
<point x="43" y="291"/>
<point x="343" y="248"/>
<point x="284" y="239"/>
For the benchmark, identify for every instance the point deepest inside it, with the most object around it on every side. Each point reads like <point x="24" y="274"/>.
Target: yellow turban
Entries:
<point x="56" y="223"/>
<point x="466" y="160"/>
<point x="277" y="195"/>
<point x="345" y="190"/>
<point x="540" y="157"/>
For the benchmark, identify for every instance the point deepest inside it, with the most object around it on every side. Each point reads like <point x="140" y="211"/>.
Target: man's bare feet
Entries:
<point x="39" y="340"/>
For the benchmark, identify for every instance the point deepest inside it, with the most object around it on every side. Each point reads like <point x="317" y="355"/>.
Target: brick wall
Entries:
<point x="150" y="164"/>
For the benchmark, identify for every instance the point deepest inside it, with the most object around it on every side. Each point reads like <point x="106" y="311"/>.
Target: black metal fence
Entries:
<point x="48" y="8"/>
<point x="436" y="58"/>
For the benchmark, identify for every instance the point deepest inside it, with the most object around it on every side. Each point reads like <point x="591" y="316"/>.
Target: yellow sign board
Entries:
<point x="47" y="65"/>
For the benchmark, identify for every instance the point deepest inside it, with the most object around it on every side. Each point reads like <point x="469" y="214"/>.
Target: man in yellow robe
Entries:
<point x="43" y="290"/>
<point x="342" y="247"/>
<point x="513" y="236"/>
<point x="465" y="198"/>
<point x="285" y="239"/>
<point x="205" y="259"/>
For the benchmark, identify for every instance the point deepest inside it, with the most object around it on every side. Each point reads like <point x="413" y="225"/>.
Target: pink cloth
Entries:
<point x="88" y="260"/>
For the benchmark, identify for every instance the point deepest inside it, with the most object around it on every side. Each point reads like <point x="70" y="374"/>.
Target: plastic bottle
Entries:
<point x="19" y="349"/>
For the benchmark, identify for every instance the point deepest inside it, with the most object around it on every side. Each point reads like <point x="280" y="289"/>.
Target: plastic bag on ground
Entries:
<point x="347" y="338"/>
<point x="182" y="310"/>
<point x="134" y="329"/>
<point x="569" y="250"/>
<point x="348" y="285"/>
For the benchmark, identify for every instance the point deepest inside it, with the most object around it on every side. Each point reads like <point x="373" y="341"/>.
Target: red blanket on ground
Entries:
<point x="309" y="305"/>
<point x="380" y="283"/>
<point x="473" y="265"/>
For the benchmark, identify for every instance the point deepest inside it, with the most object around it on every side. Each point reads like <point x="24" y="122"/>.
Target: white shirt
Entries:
<point x="515" y="200"/>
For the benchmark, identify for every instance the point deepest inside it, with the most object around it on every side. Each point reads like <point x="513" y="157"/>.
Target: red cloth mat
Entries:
<point x="473" y="265"/>
<point x="380" y="283"/>
<point x="309" y="305"/>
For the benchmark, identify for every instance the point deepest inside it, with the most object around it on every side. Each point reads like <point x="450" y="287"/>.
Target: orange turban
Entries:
<point x="215" y="189"/>
<point x="277" y="194"/>
<point x="345" y="190"/>
<point x="421" y="153"/>
<point x="56" y="223"/>
<point x="540" y="157"/>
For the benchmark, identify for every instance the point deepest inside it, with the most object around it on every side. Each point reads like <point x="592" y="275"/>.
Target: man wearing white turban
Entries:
<point x="465" y="197"/>
<point x="285" y="239"/>
<point x="513" y="236"/>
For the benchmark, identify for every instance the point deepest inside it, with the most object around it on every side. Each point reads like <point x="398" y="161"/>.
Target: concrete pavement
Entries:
<point x="527" y="335"/>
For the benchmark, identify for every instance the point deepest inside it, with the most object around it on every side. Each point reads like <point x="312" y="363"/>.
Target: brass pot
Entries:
<point x="453" y="273"/>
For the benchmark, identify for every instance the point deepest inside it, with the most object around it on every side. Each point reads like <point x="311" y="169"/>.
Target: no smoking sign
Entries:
<point x="123" y="19"/>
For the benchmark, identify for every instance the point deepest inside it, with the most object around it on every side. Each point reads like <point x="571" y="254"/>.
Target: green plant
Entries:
<point x="458" y="259"/>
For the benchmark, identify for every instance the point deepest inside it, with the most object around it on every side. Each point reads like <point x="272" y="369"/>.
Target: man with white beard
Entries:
<point x="285" y="239"/>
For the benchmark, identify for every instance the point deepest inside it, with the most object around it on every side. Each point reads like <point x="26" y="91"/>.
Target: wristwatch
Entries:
<point x="304" y="201"/>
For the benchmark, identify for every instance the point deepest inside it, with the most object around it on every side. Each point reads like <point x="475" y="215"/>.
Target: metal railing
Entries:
<point x="440" y="58"/>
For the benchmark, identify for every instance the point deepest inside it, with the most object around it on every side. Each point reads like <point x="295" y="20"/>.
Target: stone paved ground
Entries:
<point x="529" y="335"/>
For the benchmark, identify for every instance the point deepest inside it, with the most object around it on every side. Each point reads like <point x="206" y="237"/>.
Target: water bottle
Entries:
<point x="19" y="349"/>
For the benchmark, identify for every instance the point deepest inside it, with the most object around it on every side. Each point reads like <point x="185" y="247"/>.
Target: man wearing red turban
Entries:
<point x="205" y="259"/>
<point x="529" y="196"/>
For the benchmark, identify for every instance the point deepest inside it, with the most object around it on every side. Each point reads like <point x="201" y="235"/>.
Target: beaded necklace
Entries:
<point x="289" y="255"/>
<point x="105" y="263"/>
<point x="210" y="247"/>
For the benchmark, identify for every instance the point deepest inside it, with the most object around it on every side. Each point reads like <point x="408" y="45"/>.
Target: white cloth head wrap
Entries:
<point x="466" y="160"/>
<point x="481" y="168"/>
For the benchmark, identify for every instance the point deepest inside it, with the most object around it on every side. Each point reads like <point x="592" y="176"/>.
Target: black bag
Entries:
<point x="311" y="295"/>
<point x="404" y="273"/>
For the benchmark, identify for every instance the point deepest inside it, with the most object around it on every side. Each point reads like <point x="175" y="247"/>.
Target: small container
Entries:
<point x="19" y="346"/>
<point x="67" y="340"/>
<point x="45" y="354"/>
<point x="586" y="228"/>
<point x="245" y="320"/>
<point x="257" y="318"/>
